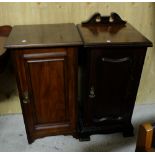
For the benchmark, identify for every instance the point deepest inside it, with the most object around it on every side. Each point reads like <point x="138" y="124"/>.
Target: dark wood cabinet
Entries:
<point x="110" y="64"/>
<point x="47" y="93"/>
<point x="77" y="80"/>
<point x="47" y="80"/>
<point x="111" y="78"/>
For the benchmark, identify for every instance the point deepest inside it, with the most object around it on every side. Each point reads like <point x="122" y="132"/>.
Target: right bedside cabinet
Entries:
<point x="110" y="66"/>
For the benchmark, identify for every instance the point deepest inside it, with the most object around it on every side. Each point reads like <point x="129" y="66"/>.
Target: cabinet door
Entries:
<point x="113" y="83"/>
<point x="47" y="90"/>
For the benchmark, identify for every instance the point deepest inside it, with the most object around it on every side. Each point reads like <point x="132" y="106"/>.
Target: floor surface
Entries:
<point x="13" y="136"/>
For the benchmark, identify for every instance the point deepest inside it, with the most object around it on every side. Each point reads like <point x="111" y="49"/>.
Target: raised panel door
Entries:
<point x="47" y="91"/>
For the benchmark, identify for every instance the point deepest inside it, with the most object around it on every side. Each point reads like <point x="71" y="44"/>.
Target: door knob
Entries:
<point x="26" y="97"/>
<point x="92" y="92"/>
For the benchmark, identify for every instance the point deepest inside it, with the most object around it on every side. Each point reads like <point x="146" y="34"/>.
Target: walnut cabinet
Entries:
<point x="77" y="80"/>
<point x="47" y="93"/>
<point x="45" y="58"/>
<point x="110" y="63"/>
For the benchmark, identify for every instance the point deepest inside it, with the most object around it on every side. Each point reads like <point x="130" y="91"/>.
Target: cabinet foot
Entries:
<point x="30" y="141"/>
<point x="75" y="135"/>
<point x="128" y="131"/>
<point x="83" y="138"/>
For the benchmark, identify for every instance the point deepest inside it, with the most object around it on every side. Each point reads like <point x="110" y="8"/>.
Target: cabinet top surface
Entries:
<point x="112" y="35"/>
<point x="44" y="35"/>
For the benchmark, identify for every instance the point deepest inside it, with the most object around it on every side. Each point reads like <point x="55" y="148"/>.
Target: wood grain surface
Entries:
<point x="44" y="35"/>
<point x="112" y="35"/>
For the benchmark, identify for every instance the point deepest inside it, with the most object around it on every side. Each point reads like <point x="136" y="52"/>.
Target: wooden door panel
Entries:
<point x="48" y="77"/>
<point x="110" y="76"/>
<point x="48" y="90"/>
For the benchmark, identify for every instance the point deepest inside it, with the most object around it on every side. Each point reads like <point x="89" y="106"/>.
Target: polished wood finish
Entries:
<point x="105" y="35"/>
<point x="145" y="138"/>
<point x="45" y="35"/>
<point x="96" y="18"/>
<point x="111" y="63"/>
<point x="114" y="75"/>
<point x="46" y="77"/>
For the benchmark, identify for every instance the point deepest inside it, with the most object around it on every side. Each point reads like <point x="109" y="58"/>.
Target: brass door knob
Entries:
<point x="92" y="92"/>
<point x="26" y="97"/>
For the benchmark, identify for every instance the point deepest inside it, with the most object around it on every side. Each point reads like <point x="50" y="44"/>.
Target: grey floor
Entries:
<point x="13" y="136"/>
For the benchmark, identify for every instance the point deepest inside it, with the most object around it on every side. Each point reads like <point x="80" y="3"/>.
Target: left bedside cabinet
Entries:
<point x="45" y="58"/>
